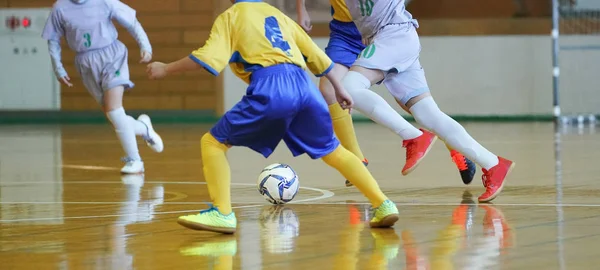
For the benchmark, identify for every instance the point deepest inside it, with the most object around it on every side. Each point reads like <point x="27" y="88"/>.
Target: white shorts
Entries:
<point x="104" y="69"/>
<point x="395" y="51"/>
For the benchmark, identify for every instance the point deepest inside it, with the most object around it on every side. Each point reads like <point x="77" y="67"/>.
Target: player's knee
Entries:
<point x="334" y="156"/>
<point x="117" y="117"/>
<point x="208" y="140"/>
<point x="354" y="82"/>
<point x="427" y="113"/>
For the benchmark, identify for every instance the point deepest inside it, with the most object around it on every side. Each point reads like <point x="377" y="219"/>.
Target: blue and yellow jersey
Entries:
<point x="251" y="35"/>
<point x="339" y="11"/>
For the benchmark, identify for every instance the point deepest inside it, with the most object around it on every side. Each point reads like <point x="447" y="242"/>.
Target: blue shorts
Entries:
<point x="281" y="102"/>
<point x="345" y="43"/>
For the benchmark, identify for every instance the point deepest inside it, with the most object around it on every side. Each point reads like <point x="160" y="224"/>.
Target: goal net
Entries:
<point x="576" y="60"/>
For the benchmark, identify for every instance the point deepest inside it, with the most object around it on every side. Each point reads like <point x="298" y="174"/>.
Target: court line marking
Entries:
<point x="263" y="205"/>
<point x="304" y="202"/>
<point x="88" y="167"/>
<point x="324" y="195"/>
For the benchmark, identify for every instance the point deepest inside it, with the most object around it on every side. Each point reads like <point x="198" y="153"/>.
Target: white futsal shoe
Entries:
<point x="132" y="166"/>
<point x="153" y="140"/>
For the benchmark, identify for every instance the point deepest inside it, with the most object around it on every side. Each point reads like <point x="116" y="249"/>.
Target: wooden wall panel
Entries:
<point x="175" y="28"/>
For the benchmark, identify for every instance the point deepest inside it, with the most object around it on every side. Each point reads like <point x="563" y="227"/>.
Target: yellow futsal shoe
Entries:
<point x="385" y="215"/>
<point x="210" y="220"/>
<point x="223" y="246"/>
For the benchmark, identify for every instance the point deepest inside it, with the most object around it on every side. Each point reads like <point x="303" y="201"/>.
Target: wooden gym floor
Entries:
<point x="64" y="205"/>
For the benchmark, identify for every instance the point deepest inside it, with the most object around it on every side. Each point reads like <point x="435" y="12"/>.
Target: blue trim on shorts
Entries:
<point x="204" y="65"/>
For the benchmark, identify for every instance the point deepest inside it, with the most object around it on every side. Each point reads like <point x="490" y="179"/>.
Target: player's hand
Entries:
<point x="344" y="99"/>
<point x="146" y="57"/>
<point x="66" y="81"/>
<point x="304" y="20"/>
<point x="156" y="70"/>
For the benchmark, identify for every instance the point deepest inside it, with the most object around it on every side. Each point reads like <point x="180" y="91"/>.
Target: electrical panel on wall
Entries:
<point x="27" y="81"/>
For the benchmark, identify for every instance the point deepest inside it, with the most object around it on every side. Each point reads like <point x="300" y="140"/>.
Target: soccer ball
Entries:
<point x="278" y="183"/>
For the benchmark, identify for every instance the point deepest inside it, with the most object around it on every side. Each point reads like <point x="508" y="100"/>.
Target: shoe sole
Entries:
<point x="386" y="222"/>
<point x="421" y="159"/>
<point x="489" y="199"/>
<point x="132" y="173"/>
<point x="201" y="227"/>
<point x="151" y="130"/>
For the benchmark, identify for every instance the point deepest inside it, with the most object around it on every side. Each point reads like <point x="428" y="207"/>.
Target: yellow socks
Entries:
<point x="344" y="129"/>
<point x="353" y="170"/>
<point x="217" y="172"/>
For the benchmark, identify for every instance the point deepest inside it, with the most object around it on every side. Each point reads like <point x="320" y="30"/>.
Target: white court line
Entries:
<point x="87" y="167"/>
<point x="262" y="205"/>
<point x="457" y="204"/>
<point x="303" y="202"/>
<point x="324" y="195"/>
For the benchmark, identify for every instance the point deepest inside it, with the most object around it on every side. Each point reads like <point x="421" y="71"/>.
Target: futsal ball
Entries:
<point x="278" y="183"/>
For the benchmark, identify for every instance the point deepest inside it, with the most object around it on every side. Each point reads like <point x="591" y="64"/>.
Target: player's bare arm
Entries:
<point x="335" y="76"/>
<point x="158" y="70"/>
<point x="303" y="17"/>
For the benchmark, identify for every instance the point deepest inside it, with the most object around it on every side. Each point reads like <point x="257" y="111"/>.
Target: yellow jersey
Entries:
<point x="339" y="11"/>
<point x="251" y="35"/>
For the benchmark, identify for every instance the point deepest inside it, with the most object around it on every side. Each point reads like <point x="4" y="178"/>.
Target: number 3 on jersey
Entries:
<point x="274" y="35"/>
<point x="366" y="7"/>
<point x="88" y="40"/>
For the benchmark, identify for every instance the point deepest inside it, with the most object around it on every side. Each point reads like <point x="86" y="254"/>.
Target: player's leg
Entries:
<point x="343" y="51"/>
<point x="113" y="108"/>
<point x="466" y="167"/>
<point x="112" y="71"/>
<point x="119" y="75"/>
<point x="90" y="68"/>
<point x="318" y="141"/>
<point x="249" y="123"/>
<point x="358" y="81"/>
<point x="342" y="120"/>
<point x="410" y="88"/>
<point x="217" y="174"/>
<point x="495" y="168"/>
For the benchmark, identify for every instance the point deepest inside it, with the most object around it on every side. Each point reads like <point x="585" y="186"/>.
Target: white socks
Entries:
<point x="126" y="128"/>
<point x="375" y="107"/>
<point x="427" y="113"/>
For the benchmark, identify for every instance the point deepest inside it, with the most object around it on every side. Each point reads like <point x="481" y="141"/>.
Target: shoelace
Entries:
<point x="409" y="149"/>
<point x="485" y="178"/>
<point x="128" y="160"/>
<point x="460" y="161"/>
<point x="211" y="209"/>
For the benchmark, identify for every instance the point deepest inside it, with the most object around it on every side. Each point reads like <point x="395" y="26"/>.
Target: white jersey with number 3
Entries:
<point x="371" y="15"/>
